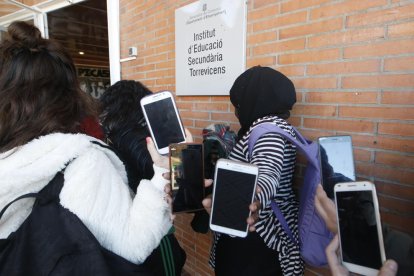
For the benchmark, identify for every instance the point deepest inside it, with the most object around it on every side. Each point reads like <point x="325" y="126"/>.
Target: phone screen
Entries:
<point x="164" y="122"/>
<point x="358" y="228"/>
<point x="232" y="197"/>
<point x="337" y="161"/>
<point x="187" y="179"/>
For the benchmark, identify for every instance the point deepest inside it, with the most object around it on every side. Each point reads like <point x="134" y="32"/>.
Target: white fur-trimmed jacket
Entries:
<point x="95" y="189"/>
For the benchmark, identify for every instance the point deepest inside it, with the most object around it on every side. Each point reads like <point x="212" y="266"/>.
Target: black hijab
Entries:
<point x="261" y="91"/>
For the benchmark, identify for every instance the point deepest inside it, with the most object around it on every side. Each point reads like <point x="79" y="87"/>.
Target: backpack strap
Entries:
<point x="306" y="147"/>
<point x="50" y="192"/>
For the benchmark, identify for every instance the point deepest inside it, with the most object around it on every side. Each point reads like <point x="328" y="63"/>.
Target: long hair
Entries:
<point x="120" y="106"/>
<point x="39" y="89"/>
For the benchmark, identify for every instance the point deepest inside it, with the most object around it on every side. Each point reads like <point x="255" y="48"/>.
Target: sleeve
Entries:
<point x="268" y="155"/>
<point x="96" y="191"/>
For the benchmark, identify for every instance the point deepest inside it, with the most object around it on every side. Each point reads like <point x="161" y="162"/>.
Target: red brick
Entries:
<point x="313" y="83"/>
<point x="403" y="29"/>
<point x="386" y="173"/>
<point x="195" y="115"/>
<point x="279" y="21"/>
<point x="341" y="97"/>
<point x="362" y="155"/>
<point x="314" y="110"/>
<point x="339" y="125"/>
<point x="263" y="3"/>
<point x="294" y="70"/>
<point x="394" y="47"/>
<point x="341" y="8"/>
<point x="254" y="39"/>
<point x="258" y="14"/>
<point x="263" y="61"/>
<point x="279" y="47"/>
<point x="390" y="113"/>
<point x="298" y="5"/>
<point x="402" y="223"/>
<point x="400" y="129"/>
<point x="391" y="189"/>
<point x="311" y="28"/>
<point x="380" y="16"/>
<point x="223" y="117"/>
<point x="397" y="97"/>
<point x="344" y="67"/>
<point x="398" y="144"/>
<point x="394" y="159"/>
<point x="378" y="81"/>
<point x="309" y="56"/>
<point x="399" y="64"/>
<point x="211" y="106"/>
<point x="346" y="37"/>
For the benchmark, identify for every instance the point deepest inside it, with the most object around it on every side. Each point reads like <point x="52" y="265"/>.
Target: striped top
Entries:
<point x="276" y="159"/>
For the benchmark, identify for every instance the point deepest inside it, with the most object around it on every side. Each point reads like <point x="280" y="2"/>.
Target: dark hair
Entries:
<point x="39" y="89"/>
<point x="121" y="105"/>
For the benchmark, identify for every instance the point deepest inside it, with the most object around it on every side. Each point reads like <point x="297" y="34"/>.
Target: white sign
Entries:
<point x="210" y="46"/>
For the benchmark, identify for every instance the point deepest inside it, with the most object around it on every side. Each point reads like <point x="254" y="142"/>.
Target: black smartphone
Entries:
<point x="234" y="190"/>
<point x="337" y="161"/>
<point x="187" y="176"/>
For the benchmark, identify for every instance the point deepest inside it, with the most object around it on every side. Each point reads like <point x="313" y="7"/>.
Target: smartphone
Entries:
<point x="163" y="120"/>
<point x="233" y="192"/>
<point x="187" y="176"/>
<point x="337" y="161"/>
<point x="359" y="224"/>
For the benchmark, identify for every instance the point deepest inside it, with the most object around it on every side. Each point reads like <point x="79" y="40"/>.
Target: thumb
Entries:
<point x="389" y="268"/>
<point x="158" y="159"/>
<point x="152" y="150"/>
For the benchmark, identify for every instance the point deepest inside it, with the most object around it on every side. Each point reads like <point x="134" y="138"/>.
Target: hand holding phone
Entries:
<point x="234" y="190"/>
<point x="359" y="225"/>
<point x="163" y="120"/>
<point x="187" y="176"/>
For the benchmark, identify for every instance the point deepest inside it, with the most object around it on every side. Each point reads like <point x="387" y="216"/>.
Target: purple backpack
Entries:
<point x="314" y="236"/>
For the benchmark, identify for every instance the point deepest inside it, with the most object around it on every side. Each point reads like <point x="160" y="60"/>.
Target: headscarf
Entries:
<point x="261" y="91"/>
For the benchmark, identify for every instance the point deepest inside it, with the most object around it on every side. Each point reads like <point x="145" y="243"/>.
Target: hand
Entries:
<point x="158" y="159"/>
<point x="168" y="198"/>
<point x="389" y="268"/>
<point x="326" y="209"/>
<point x="207" y="201"/>
<point x="254" y="207"/>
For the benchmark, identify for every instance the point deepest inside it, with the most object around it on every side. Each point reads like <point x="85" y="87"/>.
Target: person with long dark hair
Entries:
<point x="126" y="130"/>
<point x="41" y="110"/>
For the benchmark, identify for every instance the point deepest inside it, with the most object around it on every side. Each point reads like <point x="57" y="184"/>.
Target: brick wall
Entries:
<point x="352" y="63"/>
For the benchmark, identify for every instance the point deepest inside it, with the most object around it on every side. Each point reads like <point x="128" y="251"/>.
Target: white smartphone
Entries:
<point x="233" y="192"/>
<point x="359" y="225"/>
<point x="337" y="161"/>
<point x="163" y="120"/>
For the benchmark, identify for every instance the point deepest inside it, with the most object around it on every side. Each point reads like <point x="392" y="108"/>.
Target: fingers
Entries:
<point x="254" y="217"/>
<point x="159" y="160"/>
<point x="166" y="176"/>
<point x="207" y="204"/>
<point x="389" y="268"/>
<point x="188" y="136"/>
<point x="334" y="263"/>
<point x="208" y="182"/>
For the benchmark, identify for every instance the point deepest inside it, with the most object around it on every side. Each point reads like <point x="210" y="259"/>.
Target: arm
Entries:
<point x="268" y="154"/>
<point x="96" y="191"/>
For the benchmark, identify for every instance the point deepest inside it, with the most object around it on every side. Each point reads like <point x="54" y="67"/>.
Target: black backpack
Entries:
<point x="54" y="241"/>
